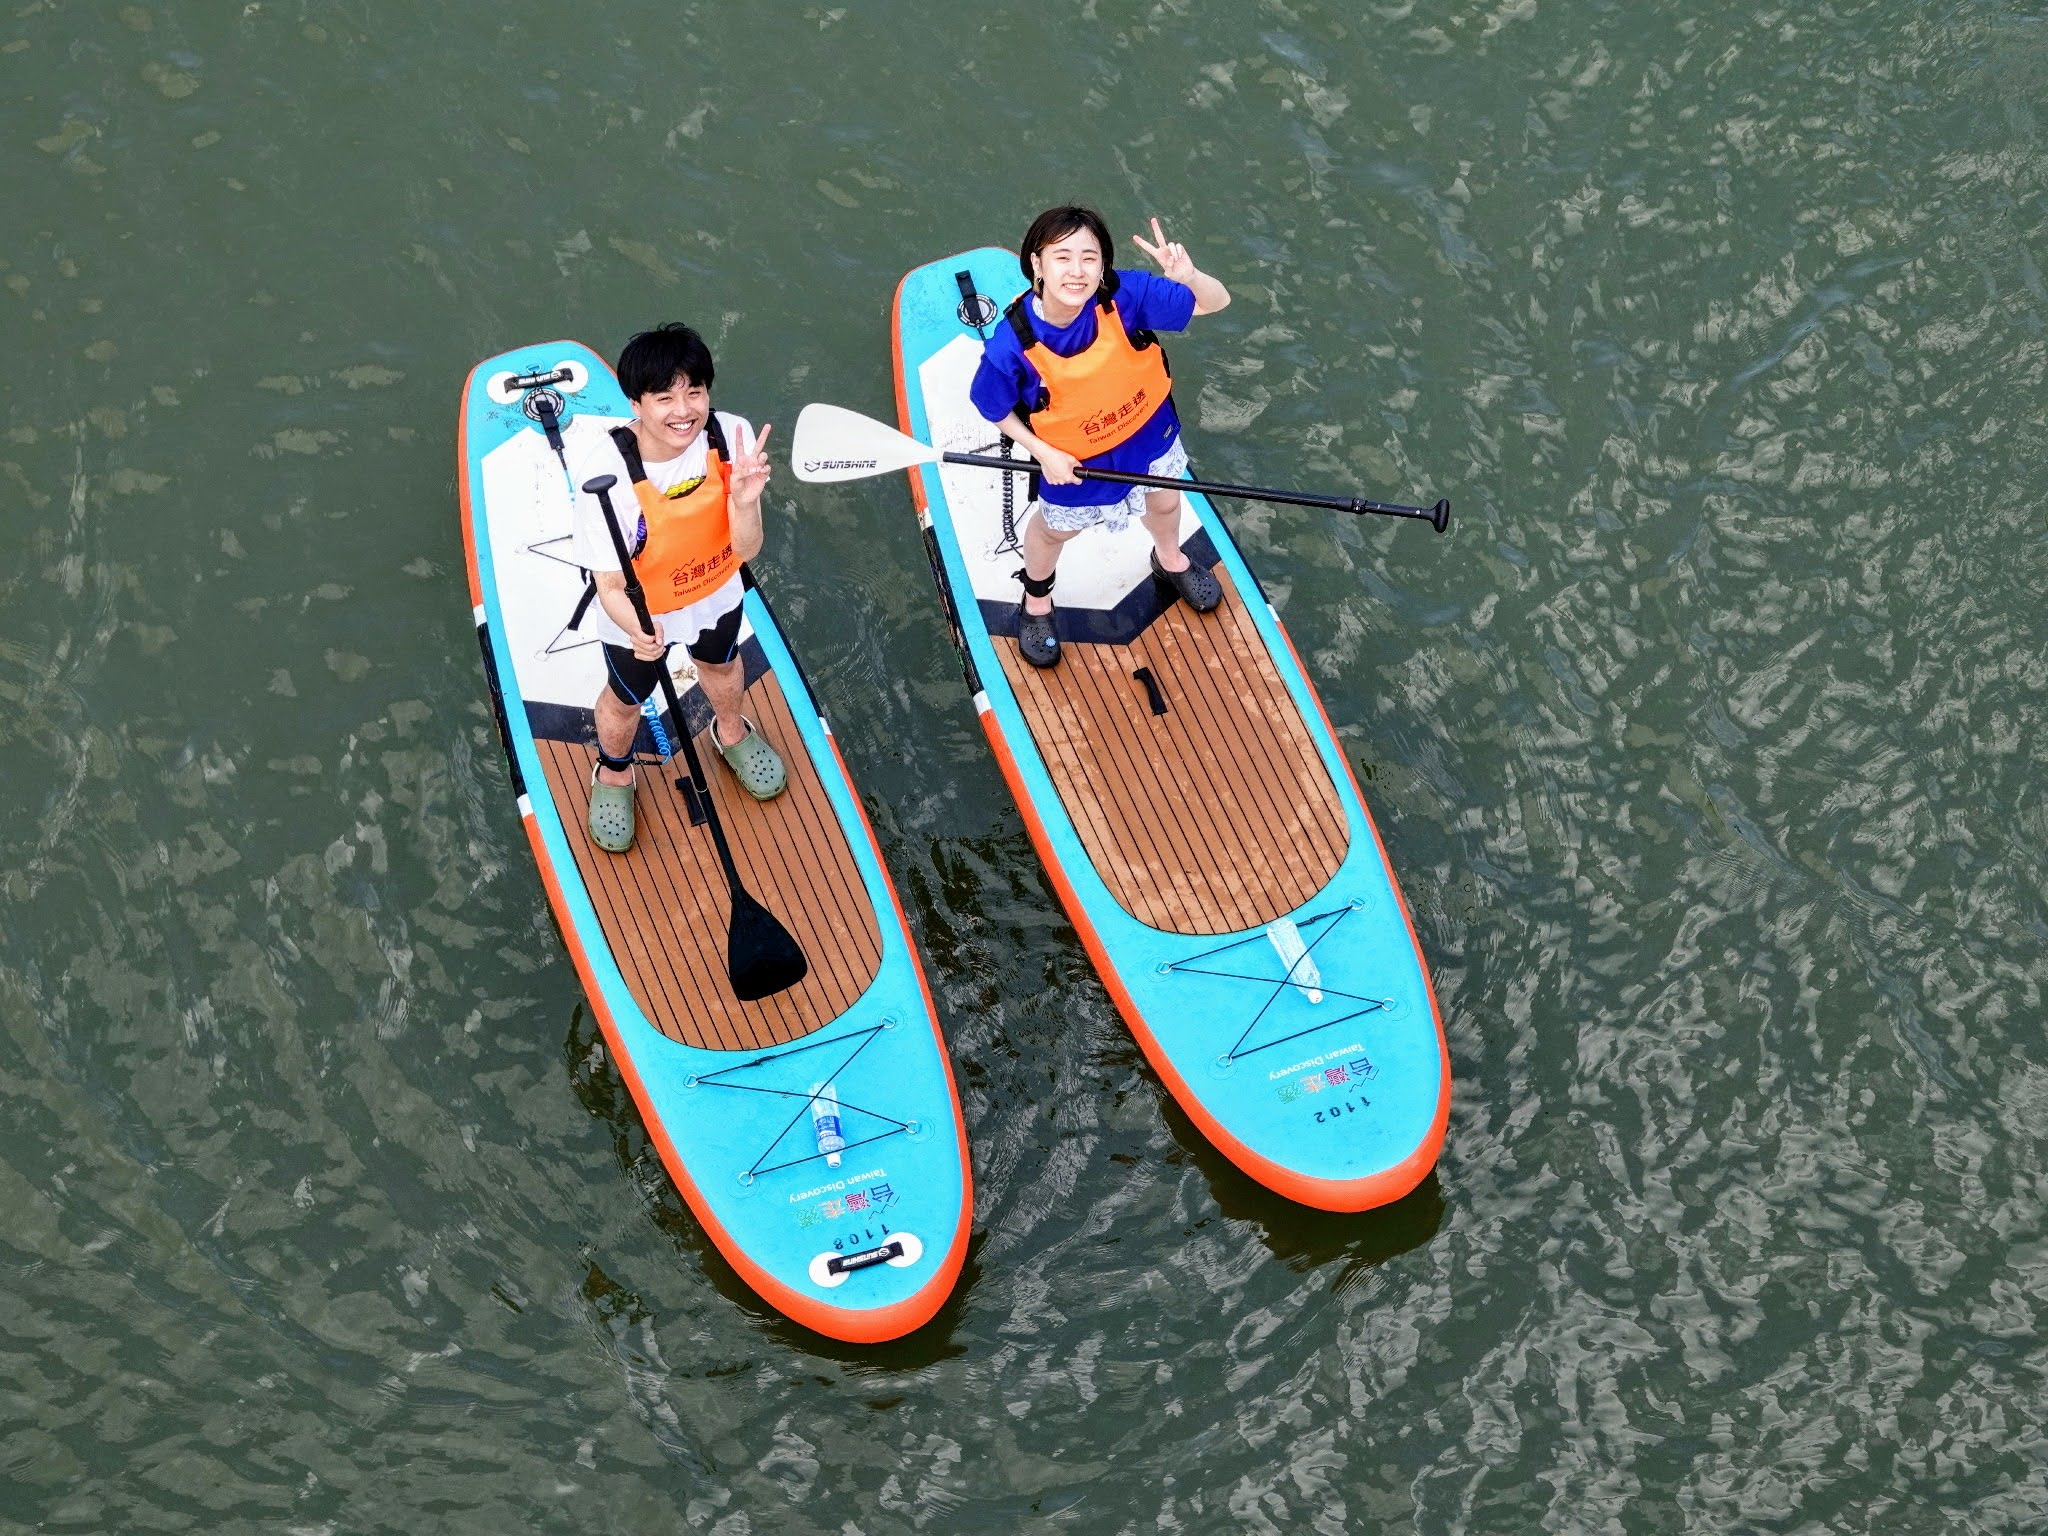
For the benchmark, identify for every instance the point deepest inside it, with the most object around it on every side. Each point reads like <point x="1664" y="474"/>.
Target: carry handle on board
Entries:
<point x="842" y="1264"/>
<point x="761" y="956"/>
<point x="1154" y="694"/>
<point x="561" y="375"/>
<point x="833" y="443"/>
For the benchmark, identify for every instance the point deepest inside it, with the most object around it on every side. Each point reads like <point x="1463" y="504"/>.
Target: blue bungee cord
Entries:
<point x="649" y="711"/>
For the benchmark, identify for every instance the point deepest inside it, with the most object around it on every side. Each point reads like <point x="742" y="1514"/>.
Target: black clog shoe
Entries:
<point x="1195" y="586"/>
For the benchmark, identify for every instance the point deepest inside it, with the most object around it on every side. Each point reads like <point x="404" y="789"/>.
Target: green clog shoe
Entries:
<point x="754" y="763"/>
<point x="611" y="814"/>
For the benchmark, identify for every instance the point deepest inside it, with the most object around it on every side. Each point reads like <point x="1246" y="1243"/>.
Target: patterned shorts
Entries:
<point x="1173" y="463"/>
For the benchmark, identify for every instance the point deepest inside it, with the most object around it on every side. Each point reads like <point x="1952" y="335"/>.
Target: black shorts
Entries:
<point x="633" y="679"/>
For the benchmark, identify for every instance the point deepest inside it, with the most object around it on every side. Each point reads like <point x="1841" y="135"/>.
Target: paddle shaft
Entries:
<point x="637" y="595"/>
<point x="1438" y="516"/>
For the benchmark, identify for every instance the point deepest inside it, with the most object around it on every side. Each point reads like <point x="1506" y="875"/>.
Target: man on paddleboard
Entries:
<point x="695" y="516"/>
<point x="1074" y="374"/>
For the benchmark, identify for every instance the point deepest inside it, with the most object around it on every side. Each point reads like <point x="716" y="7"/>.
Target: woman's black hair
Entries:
<point x="1054" y="225"/>
<point x="653" y="360"/>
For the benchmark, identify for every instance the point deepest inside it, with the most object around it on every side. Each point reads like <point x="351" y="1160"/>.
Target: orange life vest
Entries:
<point x="687" y="551"/>
<point x="1102" y="394"/>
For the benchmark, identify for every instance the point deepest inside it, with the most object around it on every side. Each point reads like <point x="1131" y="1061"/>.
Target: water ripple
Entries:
<point x="1706" y="746"/>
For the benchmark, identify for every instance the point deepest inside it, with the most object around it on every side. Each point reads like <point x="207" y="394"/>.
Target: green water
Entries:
<point x="1707" y="746"/>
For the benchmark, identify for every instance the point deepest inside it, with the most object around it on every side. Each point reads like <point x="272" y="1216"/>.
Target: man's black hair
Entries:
<point x="653" y="360"/>
<point x="1054" y="225"/>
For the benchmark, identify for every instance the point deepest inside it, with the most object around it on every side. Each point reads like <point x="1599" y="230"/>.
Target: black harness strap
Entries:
<point x="1020" y="322"/>
<point x="583" y="603"/>
<point x="628" y="444"/>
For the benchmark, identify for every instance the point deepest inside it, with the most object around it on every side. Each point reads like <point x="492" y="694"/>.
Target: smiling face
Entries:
<point x="1067" y="272"/>
<point x="668" y="420"/>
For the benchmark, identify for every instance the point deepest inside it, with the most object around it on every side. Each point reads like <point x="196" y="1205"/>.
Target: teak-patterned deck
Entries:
<point x="663" y="902"/>
<point x="1253" y="826"/>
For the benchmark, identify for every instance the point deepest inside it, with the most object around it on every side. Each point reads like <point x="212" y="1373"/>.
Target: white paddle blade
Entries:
<point x="833" y="443"/>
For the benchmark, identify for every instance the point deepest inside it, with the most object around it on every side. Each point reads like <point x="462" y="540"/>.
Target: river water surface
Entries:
<point x="1707" y="747"/>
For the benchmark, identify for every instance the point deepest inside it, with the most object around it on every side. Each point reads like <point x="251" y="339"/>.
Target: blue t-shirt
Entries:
<point x="1144" y="302"/>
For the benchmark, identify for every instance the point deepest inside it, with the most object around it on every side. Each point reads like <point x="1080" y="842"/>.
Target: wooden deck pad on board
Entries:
<point x="663" y="902"/>
<point x="1253" y="828"/>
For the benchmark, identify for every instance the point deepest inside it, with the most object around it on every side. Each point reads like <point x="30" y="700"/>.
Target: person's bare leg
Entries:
<point x="617" y="724"/>
<point x="1042" y="547"/>
<point x="1162" y="521"/>
<point x="1195" y="585"/>
<point x="725" y="687"/>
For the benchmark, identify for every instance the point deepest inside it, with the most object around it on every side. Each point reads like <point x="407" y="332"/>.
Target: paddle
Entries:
<point x="761" y="957"/>
<point x="833" y="443"/>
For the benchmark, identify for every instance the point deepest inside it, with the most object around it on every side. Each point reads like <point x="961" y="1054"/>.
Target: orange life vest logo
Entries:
<point x="1098" y="427"/>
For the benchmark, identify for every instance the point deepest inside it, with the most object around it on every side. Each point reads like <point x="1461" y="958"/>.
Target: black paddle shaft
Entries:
<point x="1438" y="516"/>
<point x="762" y="957"/>
<point x="601" y="488"/>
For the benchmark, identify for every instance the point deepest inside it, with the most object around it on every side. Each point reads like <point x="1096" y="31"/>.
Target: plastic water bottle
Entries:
<point x="1294" y="955"/>
<point x="825" y="1121"/>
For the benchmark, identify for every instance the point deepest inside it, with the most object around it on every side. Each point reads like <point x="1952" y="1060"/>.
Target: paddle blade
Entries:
<point x="761" y="956"/>
<point x="833" y="443"/>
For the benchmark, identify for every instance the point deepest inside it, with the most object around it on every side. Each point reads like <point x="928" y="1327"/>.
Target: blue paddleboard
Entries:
<point x="1191" y="804"/>
<point x="816" y="1134"/>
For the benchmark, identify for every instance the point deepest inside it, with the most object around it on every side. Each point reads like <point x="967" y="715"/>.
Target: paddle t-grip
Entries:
<point x="1440" y="515"/>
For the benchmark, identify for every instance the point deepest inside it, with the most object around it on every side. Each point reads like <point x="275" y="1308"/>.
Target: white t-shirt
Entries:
<point x="599" y="455"/>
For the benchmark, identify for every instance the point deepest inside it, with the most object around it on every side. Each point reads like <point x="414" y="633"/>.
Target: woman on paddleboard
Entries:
<point x="1076" y="377"/>
<point x="695" y="516"/>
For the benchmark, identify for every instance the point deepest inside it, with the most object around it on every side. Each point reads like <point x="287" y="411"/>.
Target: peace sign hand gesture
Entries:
<point x="1172" y="258"/>
<point x="750" y="469"/>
